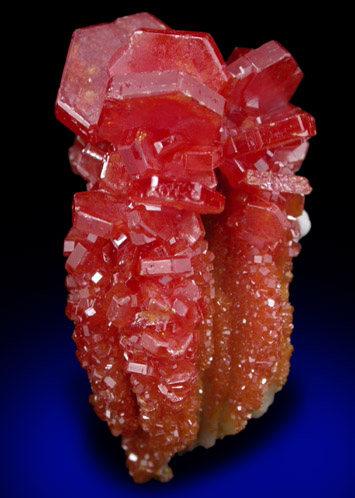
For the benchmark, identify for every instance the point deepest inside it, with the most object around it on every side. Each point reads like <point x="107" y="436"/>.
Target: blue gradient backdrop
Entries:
<point x="52" y="444"/>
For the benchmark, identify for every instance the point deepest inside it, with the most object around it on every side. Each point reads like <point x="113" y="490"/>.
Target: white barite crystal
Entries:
<point x="207" y="439"/>
<point x="268" y="399"/>
<point x="304" y="224"/>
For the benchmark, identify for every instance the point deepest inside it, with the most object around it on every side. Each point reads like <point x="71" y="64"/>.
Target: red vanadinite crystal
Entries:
<point x="180" y="255"/>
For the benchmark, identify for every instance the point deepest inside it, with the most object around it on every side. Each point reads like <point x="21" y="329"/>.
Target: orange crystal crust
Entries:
<point x="180" y="255"/>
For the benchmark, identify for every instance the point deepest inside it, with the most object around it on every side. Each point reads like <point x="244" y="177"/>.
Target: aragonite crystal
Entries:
<point x="180" y="255"/>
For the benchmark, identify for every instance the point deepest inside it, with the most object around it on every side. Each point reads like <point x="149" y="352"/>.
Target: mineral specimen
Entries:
<point x="180" y="255"/>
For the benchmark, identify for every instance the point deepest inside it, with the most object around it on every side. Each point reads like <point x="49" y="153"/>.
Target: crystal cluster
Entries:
<point x="180" y="255"/>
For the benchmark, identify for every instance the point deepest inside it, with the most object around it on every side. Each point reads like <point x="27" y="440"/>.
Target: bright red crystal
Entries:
<point x="85" y="76"/>
<point x="262" y="79"/>
<point x="195" y="54"/>
<point x="180" y="254"/>
<point x="179" y="100"/>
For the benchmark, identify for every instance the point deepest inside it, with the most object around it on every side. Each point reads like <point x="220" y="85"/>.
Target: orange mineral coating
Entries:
<point x="180" y="256"/>
<point x="169" y="399"/>
<point x="252" y="331"/>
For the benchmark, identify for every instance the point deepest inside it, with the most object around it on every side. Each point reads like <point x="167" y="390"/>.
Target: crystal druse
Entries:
<point x="180" y="255"/>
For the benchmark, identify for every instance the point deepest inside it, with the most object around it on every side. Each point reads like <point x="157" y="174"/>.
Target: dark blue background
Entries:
<point x="52" y="444"/>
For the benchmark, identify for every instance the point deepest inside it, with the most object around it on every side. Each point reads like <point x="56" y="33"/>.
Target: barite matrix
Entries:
<point x="180" y="255"/>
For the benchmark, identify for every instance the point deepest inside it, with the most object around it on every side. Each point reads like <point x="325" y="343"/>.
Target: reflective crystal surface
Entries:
<point x="180" y="255"/>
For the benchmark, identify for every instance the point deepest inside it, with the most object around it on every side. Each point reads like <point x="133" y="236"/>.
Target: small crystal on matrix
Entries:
<point x="180" y="255"/>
